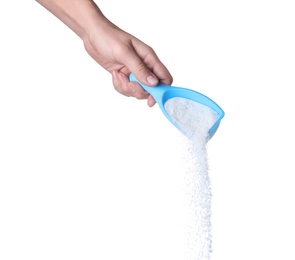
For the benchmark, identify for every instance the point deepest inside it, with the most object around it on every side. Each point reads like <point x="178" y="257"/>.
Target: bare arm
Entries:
<point x="114" y="49"/>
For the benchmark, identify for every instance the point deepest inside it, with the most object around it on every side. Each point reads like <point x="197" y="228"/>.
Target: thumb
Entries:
<point x="141" y="71"/>
<point x="145" y="76"/>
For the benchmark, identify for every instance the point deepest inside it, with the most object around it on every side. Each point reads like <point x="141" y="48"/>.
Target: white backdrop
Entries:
<point x="86" y="173"/>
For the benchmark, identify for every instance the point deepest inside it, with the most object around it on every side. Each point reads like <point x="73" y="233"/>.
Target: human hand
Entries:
<point x="121" y="53"/>
<point x="117" y="51"/>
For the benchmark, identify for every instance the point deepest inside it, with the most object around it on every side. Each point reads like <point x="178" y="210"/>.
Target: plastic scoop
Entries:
<point x="161" y="93"/>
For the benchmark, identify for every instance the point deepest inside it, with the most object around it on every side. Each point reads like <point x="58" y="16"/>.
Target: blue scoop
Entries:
<point x="161" y="93"/>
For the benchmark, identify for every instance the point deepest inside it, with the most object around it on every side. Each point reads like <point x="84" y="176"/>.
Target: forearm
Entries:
<point x="79" y="15"/>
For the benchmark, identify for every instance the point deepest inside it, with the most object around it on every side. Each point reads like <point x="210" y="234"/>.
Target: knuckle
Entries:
<point x="141" y="67"/>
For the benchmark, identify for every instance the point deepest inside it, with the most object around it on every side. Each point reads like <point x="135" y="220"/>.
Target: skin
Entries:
<point x="115" y="50"/>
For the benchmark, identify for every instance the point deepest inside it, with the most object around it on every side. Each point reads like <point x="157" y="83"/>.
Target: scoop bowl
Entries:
<point x="161" y="93"/>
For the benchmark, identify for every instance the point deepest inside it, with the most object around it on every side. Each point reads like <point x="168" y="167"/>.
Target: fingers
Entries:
<point x="151" y="101"/>
<point x="130" y="89"/>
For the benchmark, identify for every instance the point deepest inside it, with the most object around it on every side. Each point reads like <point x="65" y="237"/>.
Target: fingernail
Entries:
<point x="152" y="80"/>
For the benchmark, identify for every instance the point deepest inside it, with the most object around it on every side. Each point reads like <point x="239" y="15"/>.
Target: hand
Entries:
<point x="121" y="53"/>
<point x="115" y="50"/>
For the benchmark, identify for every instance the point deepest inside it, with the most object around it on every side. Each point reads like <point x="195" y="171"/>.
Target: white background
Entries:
<point x="86" y="173"/>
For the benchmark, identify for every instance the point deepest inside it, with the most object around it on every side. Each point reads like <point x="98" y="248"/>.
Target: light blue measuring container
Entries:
<point x="161" y="93"/>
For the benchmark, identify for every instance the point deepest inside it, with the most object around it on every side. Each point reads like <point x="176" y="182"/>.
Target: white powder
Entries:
<point x="195" y="120"/>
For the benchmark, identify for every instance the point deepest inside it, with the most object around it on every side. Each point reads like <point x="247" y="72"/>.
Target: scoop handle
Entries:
<point x="157" y="91"/>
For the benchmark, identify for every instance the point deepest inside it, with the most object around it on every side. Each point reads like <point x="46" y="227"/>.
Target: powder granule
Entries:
<point x="195" y="120"/>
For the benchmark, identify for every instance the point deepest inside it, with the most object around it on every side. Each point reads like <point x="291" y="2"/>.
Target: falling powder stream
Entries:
<point x="195" y="120"/>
